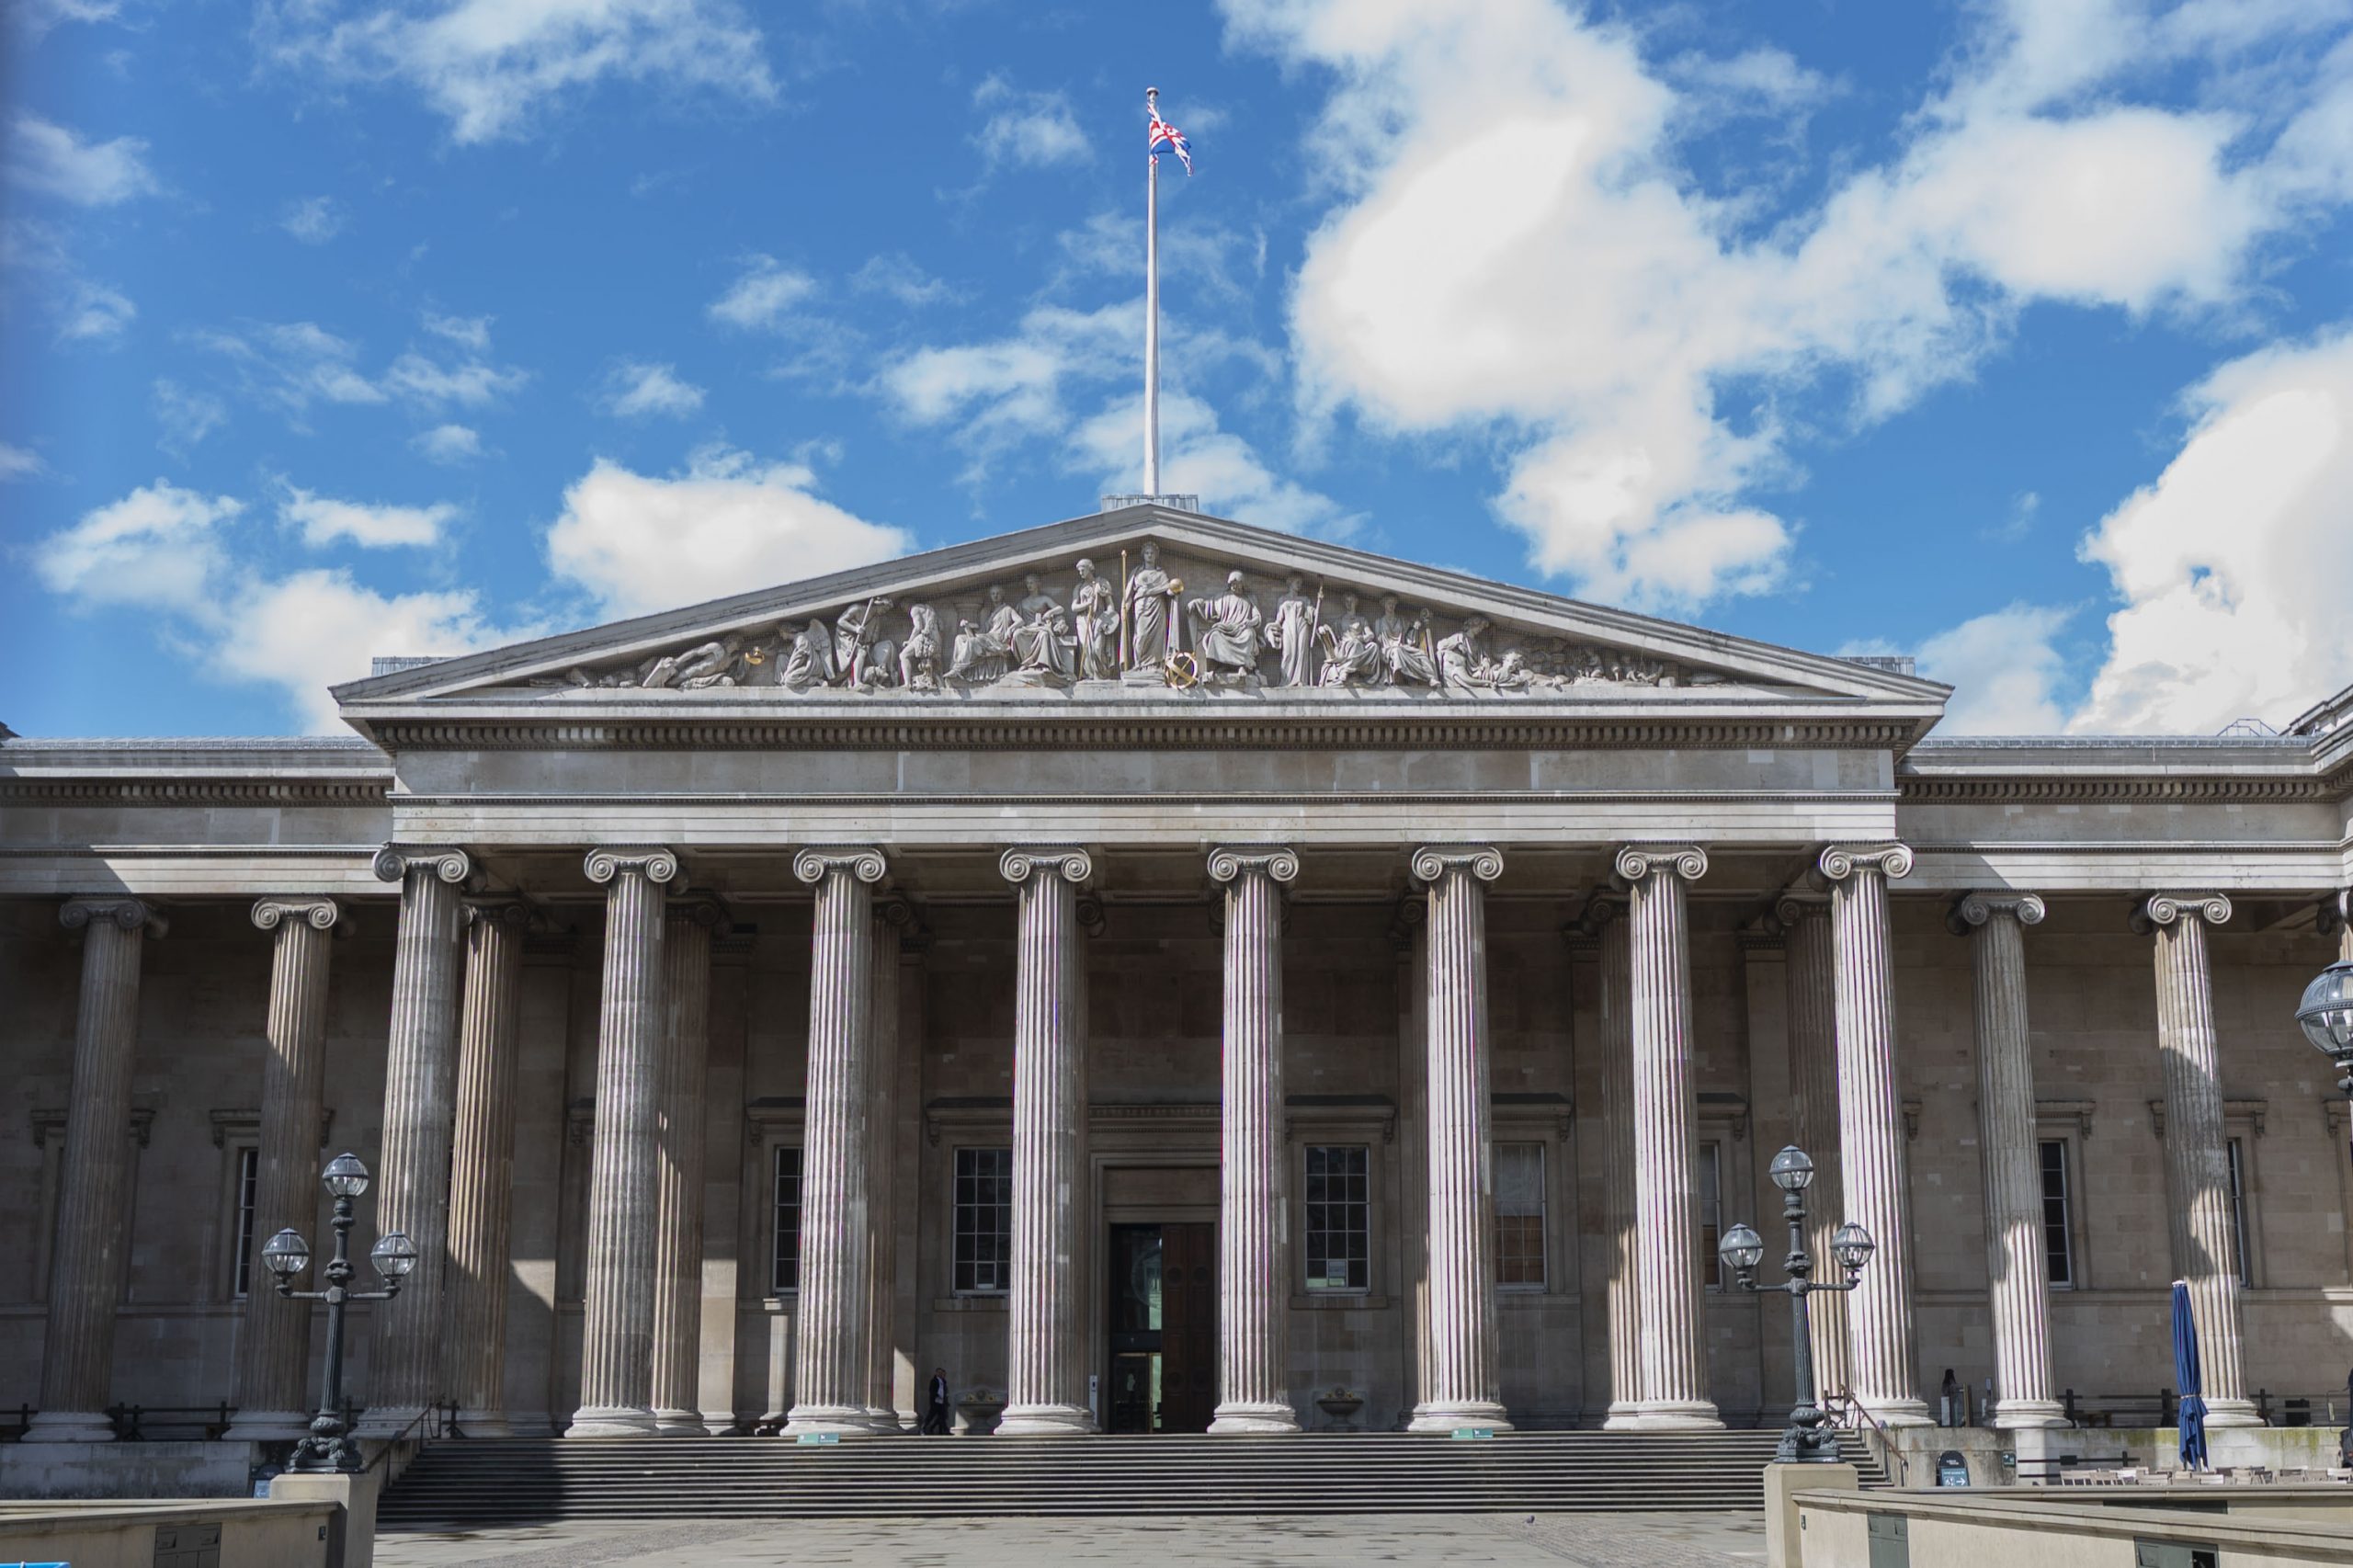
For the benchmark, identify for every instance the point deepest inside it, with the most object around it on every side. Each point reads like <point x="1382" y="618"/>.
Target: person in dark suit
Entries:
<point x="935" y="1415"/>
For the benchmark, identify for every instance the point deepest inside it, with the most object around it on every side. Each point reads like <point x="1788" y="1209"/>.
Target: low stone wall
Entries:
<point x="127" y="1470"/>
<point x="2026" y="1456"/>
<point x="250" y="1533"/>
<point x="2270" y="1526"/>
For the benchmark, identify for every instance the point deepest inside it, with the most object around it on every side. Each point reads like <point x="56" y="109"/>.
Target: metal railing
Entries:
<point x="1845" y="1410"/>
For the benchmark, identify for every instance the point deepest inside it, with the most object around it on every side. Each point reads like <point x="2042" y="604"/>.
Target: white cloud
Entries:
<point x="1196" y="457"/>
<point x="46" y="156"/>
<point x="764" y="296"/>
<point x="188" y="417"/>
<point x="448" y="444"/>
<point x="156" y="546"/>
<point x="471" y="332"/>
<point x="83" y="310"/>
<point x="314" y="219"/>
<point x="2005" y="670"/>
<point x="292" y="364"/>
<point x="1026" y="129"/>
<point x="37" y="17"/>
<point x="470" y="384"/>
<point x="725" y="525"/>
<point x="20" y="462"/>
<point x="496" y="69"/>
<point x="2233" y="566"/>
<point x="897" y="277"/>
<point x="324" y="520"/>
<point x="92" y="312"/>
<point x="634" y="389"/>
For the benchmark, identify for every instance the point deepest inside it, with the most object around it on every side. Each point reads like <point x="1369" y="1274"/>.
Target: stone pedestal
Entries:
<point x="2196" y="1144"/>
<point x="1464" y="1388"/>
<point x="411" y="1187"/>
<point x="274" y="1342"/>
<point x="1254" y="1252"/>
<point x="1870" y="1130"/>
<point x="832" y="1364"/>
<point x="1604" y="917"/>
<point x="1046" y="1377"/>
<point x="1784" y="1543"/>
<point x="92" y="1242"/>
<point x="624" y="1180"/>
<point x="691" y="923"/>
<point x="481" y="1164"/>
<point x="2019" y="1288"/>
<point x="1673" y="1361"/>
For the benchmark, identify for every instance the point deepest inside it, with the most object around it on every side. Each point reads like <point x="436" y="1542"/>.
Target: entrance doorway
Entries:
<point x="1164" y="1327"/>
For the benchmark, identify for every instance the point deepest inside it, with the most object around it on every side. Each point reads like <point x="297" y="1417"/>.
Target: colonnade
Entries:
<point x="444" y="1173"/>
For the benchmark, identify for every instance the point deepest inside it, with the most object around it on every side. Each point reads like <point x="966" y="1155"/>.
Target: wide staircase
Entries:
<point x="520" y="1480"/>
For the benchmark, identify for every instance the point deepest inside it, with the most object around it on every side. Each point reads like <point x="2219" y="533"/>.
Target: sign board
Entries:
<point x="1474" y="1433"/>
<point x="1951" y="1469"/>
<point x="818" y="1437"/>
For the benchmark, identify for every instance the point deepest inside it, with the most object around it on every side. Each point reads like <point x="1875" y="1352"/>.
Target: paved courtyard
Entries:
<point x="1596" y="1540"/>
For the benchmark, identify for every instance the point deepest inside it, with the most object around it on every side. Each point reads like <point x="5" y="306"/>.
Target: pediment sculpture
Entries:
<point x="1141" y="629"/>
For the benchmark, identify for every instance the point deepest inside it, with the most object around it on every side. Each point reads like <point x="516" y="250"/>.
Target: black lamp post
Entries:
<point x="2327" y="1015"/>
<point x="329" y="1447"/>
<point x="1810" y="1440"/>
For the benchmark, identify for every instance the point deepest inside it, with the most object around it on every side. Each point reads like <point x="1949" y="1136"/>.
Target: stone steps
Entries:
<point x="523" y="1480"/>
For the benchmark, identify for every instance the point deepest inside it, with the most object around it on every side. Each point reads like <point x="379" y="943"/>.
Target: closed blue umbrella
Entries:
<point x="2185" y="1367"/>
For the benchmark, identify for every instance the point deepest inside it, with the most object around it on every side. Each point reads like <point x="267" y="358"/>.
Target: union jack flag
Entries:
<point x="1166" y="138"/>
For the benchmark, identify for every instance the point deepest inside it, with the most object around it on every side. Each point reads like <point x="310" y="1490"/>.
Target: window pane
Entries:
<point x="983" y="1220"/>
<point x="1706" y="1177"/>
<point x="2058" y="1246"/>
<point x="785" y="1274"/>
<point x="1340" y="1218"/>
<point x="248" y="1177"/>
<point x="1519" y="1214"/>
<point x="2238" y="1206"/>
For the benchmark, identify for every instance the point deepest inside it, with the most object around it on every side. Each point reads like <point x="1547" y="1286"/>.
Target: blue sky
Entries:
<point x="2015" y="335"/>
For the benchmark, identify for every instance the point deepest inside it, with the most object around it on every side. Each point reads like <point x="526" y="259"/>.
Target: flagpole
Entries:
<point x="1151" y="309"/>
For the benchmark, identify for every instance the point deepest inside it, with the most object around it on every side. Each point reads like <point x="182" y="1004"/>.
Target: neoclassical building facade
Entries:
<point x="1173" y="976"/>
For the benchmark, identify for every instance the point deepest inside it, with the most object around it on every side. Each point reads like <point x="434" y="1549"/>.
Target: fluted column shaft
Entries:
<point x="1465" y="1388"/>
<point x="624" y="1161"/>
<point x="833" y="1366"/>
<point x="1253" y="1297"/>
<point x="91" y="1250"/>
<point x="681" y="1136"/>
<point x="2014" y="1255"/>
<point x="274" y="1341"/>
<point x="481" y="1164"/>
<point x="1871" y="1128"/>
<point x="2197" y="1146"/>
<point x="882" y="1166"/>
<point x="1604" y="916"/>
<point x="1674" y="1362"/>
<point x="1811" y="992"/>
<point x="412" y="1190"/>
<point x="1046" y="1376"/>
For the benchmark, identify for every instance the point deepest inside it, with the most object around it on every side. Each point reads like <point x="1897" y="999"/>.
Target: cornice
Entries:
<point x="2039" y="789"/>
<point x="198" y="791"/>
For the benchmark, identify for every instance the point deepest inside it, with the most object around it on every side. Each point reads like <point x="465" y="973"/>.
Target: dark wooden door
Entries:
<point x="1189" y="1327"/>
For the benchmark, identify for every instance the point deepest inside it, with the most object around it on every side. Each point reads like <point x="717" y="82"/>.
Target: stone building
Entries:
<point x="1164" y="972"/>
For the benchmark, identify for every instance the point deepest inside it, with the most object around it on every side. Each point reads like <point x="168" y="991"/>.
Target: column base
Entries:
<point x="610" y="1421"/>
<point x="1453" y="1416"/>
<point x="1240" y="1419"/>
<point x="884" y="1422"/>
<point x="1671" y="1415"/>
<point x="1899" y="1412"/>
<point x="816" y="1420"/>
<point x="2024" y="1414"/>
<point x="1620" y="1417"/>
<point x="268" y="1426"/>
<point x="383" y="1422"/>
<point x="2226" y="1413"/>
<point x="1045" y="1421"/>
<point x="681" y="1424"/>
<point x="484" y="1423"/>
<point x="68" y="1426"/>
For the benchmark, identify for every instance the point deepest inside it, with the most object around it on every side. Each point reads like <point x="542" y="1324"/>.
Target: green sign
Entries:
<point x="1473" y="1433"/>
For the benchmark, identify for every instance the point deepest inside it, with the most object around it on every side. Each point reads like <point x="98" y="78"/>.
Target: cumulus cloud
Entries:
<point x="727" y="523"/>
<point x="635" y="390"/>
<point x="2232" y="566"/>
<point x="2006" y="670"/>
<point x="764" y="296"/>
<point x="498" y="69"/>
<point x="46" y="156"/>
<point x="448" y="444"/>
<point x="314" y="219"/>
<point x="323" y="520"/>
<point x="1025" y="128"/>
<point x="188" y="417"/>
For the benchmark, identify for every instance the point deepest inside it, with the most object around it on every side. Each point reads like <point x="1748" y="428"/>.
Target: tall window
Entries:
<point x="2238" y="1208"/>
<point x="1340" y="1218"/>
<point x="248" y="1178"/>
<point x="1708" y="1176"/>
<point x="784" y="1276"/>
<point x="983" y="1221"/>
<point x="2058" y="1232"/>
<point x="1519" y="1216"/>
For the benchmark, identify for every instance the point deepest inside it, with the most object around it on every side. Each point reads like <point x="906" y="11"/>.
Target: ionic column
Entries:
<point x="2021" y="1292"/>
<point x="1674" y="1359"/>
<point x="624" y="1164"/>
<point x="1464" y="1388"/>
<point x="1811" y="984"/>
<point x="891" y="918"/>
<point x="682" y="1075"/>
<point x="832" y="1366"/>
<point x="91" y="1249"/>
<point x="1254" y="1229"/>
<point x="481" y="1164"/>
<point x="412" y="1187"/>
<point x="2343" y="902"/>
<point x="1046" y="1377"/>
<point x="1603" y="917"/>
<point x="1871" y="1128"/>
<point x="274" y="1341"/>
<point x="2197" y="1146"/>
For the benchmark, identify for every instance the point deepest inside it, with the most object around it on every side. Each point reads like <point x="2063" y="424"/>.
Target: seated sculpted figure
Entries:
<point x="1352" y="654"/>
<point x="1405" y="653"/>
<point x="983" y="653"/>
<point x="920" y="658"/>
<point x="811" y="661"/>
<point x="1462" y="657"/>
<point x="1229" y="639"/>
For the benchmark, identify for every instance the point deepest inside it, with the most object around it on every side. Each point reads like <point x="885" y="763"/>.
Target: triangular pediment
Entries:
<point x="1017" y="617"/>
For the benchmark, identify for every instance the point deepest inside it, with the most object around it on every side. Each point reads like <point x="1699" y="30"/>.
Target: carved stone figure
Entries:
<point x="1511" y="673"/>
<point x="810" y="662"/>
<point x="1353" y="656"/>
<point x="1045" y="650"/>
<point x="1149" y="603"/>
<point x="1463" y="662"/>
<point x="919" y="655"/>
<point x="1290" y="633"/>
<point x="984" y="653"/>
<point x="1405" y="647"/>
<point x="1094" y="622"/>
<point x="1228" y="640"/>
<point x="867" y="658"/>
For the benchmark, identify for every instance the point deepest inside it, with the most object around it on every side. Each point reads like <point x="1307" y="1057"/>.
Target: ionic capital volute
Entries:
<point x="1431" y="862"/>
<point x="1837" y="862"/>
<point x="1229" y="862"/>
<point x="1633" y="862"/>
<point x="394" y="862"/>
<point x="699" y="908"/>
<point x="1973" y="909"/>
<point x="863" y="862"/>
<point x="120" y="909"/>
<point x="1018" y="864"/>
<point x="2168" y="908"/>
<point x="1794" y="906"/>
<point x="1601" y="906"/>
<point x="652" y="862"/>
<point x="517" y="914"/>
<point x="315" y="911"/>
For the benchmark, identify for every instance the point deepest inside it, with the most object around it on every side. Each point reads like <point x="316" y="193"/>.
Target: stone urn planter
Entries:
<point x="980" y="1409"/>
<point x="1340" y="1407"/>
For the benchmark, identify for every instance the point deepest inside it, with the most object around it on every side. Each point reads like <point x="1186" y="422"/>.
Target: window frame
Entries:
<point x="2068" y="1189"/>
<point x="1708" y="1155"/>
<point x="1308" y="1282"/>
<point x="956" y="1211"/>
<point x="1542" y="1283"/>
<point x="776" y="1152"/>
